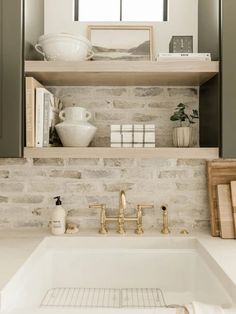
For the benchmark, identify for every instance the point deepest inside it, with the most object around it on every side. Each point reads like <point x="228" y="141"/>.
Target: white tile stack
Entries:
<point x="132" y="135"/>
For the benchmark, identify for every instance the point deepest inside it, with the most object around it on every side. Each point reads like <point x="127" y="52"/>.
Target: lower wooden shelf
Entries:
<point x="107" y="152"/>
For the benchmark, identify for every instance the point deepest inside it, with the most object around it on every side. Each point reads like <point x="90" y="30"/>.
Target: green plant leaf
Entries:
<point x="180" y="114"/>
<point x="193" y="117"/>
<point x="174" y="117"/>
<point x="181" y="105"/>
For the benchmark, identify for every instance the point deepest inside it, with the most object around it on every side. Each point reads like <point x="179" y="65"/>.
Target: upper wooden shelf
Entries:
<point x="111" y="73"/>
<point x="107" y="152"/>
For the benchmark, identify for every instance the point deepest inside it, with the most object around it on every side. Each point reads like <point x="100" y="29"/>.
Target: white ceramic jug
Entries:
<point x="75" y="130"/>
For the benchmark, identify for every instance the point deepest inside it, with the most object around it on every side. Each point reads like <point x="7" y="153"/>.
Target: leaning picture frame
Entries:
<point x="121" y="43"/>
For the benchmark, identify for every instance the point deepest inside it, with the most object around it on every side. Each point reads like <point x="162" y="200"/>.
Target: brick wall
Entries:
<point x="27" y="186"/>
<point x="116" y="105"/>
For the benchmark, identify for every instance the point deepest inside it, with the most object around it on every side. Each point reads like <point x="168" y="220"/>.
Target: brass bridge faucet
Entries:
<point x="121" y="218"/>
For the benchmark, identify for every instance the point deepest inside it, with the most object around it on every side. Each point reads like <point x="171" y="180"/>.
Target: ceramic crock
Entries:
<point x="75" y="130"/>
<point x="64" y="47"/>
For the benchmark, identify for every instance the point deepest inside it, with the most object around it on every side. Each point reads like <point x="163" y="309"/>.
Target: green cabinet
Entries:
<point x="11" y="77"/>
<point x="216" y="31"/>
<point x="228" y="78"/>
<point x="209" y="102"/>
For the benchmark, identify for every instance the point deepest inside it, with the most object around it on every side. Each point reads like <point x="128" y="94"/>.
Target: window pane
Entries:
<point x="99" y="10"/>
<point x="142" y="10"/>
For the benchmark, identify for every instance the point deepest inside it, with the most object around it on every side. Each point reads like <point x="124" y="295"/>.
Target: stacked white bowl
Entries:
<point x="64" y="47"/>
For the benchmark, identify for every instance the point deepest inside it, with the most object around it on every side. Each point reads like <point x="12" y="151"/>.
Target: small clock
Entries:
<point x="180" y="44"/>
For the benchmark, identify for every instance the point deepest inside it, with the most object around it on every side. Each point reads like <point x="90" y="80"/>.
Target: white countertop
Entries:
<point x="17" y="245"/>
<point x="15" y="248"/>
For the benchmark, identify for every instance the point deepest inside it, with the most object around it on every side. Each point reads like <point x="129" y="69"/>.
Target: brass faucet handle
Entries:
<point x="102" y="207"/>
<point x="140" y="207"/>
<point x="99" y="206"/>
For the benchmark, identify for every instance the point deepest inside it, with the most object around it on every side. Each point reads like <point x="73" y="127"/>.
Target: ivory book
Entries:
<point x="31" y="85"/>
<point x="42" y="109"/>
<point x="51" y="107"/>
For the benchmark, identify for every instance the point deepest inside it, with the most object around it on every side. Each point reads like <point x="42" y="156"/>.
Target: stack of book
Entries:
<point x="137" y="135"/>
<point x="42" y="114"/>
<point x="174" y="57"/>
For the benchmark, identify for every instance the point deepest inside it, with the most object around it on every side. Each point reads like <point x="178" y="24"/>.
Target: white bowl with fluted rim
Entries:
<point x="64" y="47"/>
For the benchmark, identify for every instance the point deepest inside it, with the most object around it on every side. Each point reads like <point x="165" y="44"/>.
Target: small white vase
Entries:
<point x="75" y="130"/>
<point x="183" y="137"/>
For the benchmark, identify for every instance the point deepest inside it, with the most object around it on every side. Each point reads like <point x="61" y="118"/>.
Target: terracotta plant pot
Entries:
<point x="183" y="137"/>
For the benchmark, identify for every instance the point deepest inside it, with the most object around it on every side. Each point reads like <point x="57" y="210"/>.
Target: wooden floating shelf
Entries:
<point x="107" y="152"/>
<point x="118" y="73"/>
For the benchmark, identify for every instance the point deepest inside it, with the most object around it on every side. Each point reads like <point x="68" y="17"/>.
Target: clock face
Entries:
<point x="180" y="44"/>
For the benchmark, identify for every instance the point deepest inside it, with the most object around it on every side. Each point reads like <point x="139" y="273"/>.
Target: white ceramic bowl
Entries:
<point x="64" y="47"/>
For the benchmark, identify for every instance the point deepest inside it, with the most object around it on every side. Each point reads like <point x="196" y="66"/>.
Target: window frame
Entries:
<point x="76" y="11"/>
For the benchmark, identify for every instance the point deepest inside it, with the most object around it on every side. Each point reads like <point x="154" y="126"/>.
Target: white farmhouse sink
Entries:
<point x="71" y="275"/>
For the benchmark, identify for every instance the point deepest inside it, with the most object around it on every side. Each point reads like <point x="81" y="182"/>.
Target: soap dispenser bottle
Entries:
<point x="58" y="222"/>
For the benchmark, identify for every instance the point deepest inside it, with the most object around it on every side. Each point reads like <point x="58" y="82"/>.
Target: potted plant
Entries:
<point x="183" y="135"/>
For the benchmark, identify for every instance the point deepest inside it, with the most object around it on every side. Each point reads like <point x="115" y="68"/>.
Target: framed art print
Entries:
<point x="124" y="43"/>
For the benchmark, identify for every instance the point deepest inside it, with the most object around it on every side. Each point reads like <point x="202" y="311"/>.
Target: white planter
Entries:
<point x="183" y="137"/>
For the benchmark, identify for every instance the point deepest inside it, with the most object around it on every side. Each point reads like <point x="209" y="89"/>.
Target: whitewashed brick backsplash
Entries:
<point x="27" y="188"/>
<point x="130" y="105"/>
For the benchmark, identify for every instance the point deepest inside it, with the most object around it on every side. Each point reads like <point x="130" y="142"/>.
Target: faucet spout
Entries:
<point x="122" y="203"/>
<point x="121" y="218"/>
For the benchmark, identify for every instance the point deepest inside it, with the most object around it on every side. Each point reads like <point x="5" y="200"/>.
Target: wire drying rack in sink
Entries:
<point x="104" y="298"/>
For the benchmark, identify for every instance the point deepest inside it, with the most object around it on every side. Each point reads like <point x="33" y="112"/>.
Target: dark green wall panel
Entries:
<point x="209" y="104"/>
<point x="1" y="72"/>
<point x="228" y="49"/>
<point x="11" y="67"/>
<point x="208" y="27"/>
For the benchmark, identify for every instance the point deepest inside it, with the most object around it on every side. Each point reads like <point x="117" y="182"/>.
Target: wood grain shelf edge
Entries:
<point x="122" y="73"/>
<point x="107" y="152"/>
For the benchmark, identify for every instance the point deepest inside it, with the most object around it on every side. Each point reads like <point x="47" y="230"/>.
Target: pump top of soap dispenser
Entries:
<point x="58" y="200"/>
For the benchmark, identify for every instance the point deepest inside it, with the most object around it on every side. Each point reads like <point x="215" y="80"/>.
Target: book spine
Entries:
<point x="46" y="120"/>
<point x="30" y="113"/>
<point x="39" y="117"/>
<point x="184" y="57"/>
<point x="54" y="139"/>
<point x="188" y="55"/>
